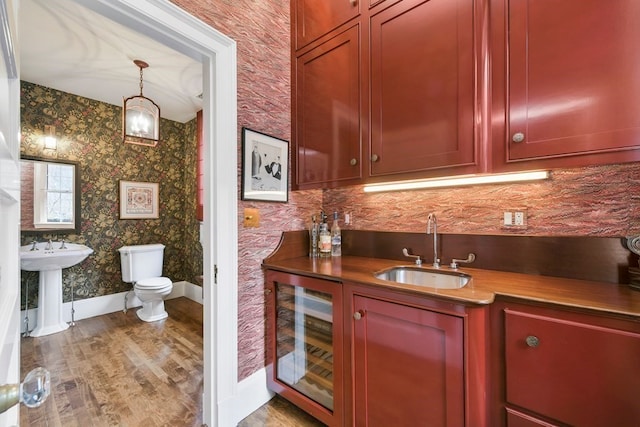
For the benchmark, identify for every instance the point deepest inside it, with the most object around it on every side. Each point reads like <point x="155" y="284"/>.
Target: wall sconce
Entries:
<point x="50" y="141"/>
<point x="458" y="181"/>
<point x="141" y="117"/>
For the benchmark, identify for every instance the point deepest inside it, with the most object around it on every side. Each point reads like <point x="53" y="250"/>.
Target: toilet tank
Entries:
<point x="141" y="261"/>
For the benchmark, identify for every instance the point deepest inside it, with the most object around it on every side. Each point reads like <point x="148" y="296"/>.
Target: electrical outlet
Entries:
<point x="515" y="218"/>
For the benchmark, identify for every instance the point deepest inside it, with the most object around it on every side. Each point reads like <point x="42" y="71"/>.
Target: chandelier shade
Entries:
<point x="141" y="117"/>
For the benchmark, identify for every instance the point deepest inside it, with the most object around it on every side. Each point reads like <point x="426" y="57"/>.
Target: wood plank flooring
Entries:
<point x="116" y="370"/>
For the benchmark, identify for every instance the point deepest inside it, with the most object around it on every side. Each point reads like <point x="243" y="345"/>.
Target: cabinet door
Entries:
<point x="327" y="112"/>
<point x="581" y="374"/>
<point x="407" y="365"/>
<point x="314" y="18"/>
<point x="305" y="346"/>
<point x="572" y="79"/>
<point x="422" y="88"/>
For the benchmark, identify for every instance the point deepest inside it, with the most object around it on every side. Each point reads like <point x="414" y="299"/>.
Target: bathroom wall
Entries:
<point x="89" y="132"/>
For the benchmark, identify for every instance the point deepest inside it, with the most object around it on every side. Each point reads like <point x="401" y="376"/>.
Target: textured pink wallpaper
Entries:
<point x="598" y="201"/>
<point x="592" y="201"/>
<point x="261" y="31"/>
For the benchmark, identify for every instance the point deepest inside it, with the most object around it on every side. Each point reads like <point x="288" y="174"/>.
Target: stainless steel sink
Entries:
<point x="422" y="277"/>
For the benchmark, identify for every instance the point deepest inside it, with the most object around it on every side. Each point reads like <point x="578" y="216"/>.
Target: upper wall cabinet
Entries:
<point x="390" y="94"/>
<point x="314" y="18"/>
<point x="566" y="82"/>
<point x="423" y="88"/>
<point x="326" y="111"/>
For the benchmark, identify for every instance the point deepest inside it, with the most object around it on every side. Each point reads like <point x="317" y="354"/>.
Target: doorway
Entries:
<point x="170" y="25"/>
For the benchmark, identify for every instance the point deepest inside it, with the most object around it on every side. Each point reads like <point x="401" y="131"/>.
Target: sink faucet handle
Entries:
<point x="63" y="245"/>
<point x="33" y="245"/>
<point x="406" y="253"/>
<point x="470" y="258"/>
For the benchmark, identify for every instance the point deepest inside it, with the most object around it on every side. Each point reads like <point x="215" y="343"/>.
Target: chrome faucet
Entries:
<point x="34" y="246"/>
<point x="432" y="220"/>
<point x="49" y="246"/>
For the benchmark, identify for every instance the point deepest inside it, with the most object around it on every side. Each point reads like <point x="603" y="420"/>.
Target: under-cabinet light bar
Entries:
<point x="457" y="181"/>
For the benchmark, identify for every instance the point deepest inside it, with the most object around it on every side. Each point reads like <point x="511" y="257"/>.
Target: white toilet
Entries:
<point x="142" y="266"/>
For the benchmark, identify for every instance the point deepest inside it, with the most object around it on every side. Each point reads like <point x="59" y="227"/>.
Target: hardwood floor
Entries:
<point x="116" y="370"/>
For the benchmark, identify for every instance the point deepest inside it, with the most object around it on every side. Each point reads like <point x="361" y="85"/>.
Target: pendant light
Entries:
<point x="141" y="117"/>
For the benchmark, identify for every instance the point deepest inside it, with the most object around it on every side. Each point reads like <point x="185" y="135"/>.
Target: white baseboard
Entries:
<point x="105" y="304"/>
<point x="252" y="393"/>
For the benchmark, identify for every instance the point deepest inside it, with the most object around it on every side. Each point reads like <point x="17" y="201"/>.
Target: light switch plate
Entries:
<point x="251" y="217"/>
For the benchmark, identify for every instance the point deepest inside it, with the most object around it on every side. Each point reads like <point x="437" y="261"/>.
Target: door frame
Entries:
<point x="170" y="25"/>
<point x="174" y="27"/>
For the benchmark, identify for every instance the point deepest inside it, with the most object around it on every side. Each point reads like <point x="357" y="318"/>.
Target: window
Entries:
<point x="53" y="201"/>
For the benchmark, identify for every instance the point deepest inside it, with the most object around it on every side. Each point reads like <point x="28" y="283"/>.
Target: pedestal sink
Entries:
<point x="49" y="259"/>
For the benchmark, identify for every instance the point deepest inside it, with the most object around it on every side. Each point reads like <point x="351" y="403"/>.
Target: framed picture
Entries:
<point x="265" y="167"/>
<point x="138" y="200"/>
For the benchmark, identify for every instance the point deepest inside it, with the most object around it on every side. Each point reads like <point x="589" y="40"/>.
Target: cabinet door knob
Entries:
<point x="358" y="314"/>
<point x="267" y="291"/>
<point x="353" y="2"/>
<point x="532" y="341"/>
<point x="353" y="162"/>
<point x="518" y="137"/>
<point x="374" y="157"/>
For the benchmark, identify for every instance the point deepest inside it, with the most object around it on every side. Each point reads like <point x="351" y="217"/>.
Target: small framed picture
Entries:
<point x="265" y="167"/>
<point x="138" y="200"/>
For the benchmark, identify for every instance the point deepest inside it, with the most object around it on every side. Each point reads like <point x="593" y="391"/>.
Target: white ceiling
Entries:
<point x="67" y="47"/>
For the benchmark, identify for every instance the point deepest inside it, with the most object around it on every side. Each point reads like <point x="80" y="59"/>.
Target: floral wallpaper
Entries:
<point x="89" y="132"/>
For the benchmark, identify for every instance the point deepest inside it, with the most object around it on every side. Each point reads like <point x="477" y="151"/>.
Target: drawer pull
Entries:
<point x="375" y="158"/>
<point x="358" y="314"/>
<point x="532" y="341"/>
<point x="353" y="162"/>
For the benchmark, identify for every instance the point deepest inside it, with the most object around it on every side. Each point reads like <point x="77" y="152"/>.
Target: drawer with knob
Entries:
<point x="576" y="370"/>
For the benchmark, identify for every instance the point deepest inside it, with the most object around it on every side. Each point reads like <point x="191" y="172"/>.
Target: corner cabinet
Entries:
<point x="413" y="361"/>
<point x="387" y="92"/>
<point x="326" y="126"/>
<point x="565" y="82"/>
<point x="304" y="344"/>
<point x="567" y="368"/>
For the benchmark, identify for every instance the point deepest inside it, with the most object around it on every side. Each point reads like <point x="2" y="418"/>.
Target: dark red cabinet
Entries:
<point x="326" y="125"/>
<point x="313" y="18"/>
<point x="413" y="360"/>
<point x="565" y="82"/>
<point x="423" y="89"/>
<point x="564" y="368"/>
<point x="407" y="365"/>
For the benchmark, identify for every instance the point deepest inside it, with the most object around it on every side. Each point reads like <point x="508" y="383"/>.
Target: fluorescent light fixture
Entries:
<point x="457" y="181"/>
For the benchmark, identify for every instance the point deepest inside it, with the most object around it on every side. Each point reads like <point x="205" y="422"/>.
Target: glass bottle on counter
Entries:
<point x="314" y="230"/>
<point x="324" y="240"/>
<point x="336" y="237"/>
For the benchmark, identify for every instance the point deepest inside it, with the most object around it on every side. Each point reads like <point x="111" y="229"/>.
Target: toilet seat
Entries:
<point x="152" y="283"/>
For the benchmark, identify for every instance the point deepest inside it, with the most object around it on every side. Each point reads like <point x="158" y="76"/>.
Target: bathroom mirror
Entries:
<point x="49" y="196"/>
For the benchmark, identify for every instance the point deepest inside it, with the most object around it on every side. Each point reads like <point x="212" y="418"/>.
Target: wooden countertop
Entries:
<point x="483" y="288"/>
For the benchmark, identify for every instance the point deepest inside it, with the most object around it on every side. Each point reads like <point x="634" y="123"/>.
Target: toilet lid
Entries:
<point x="153" y="283"/>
